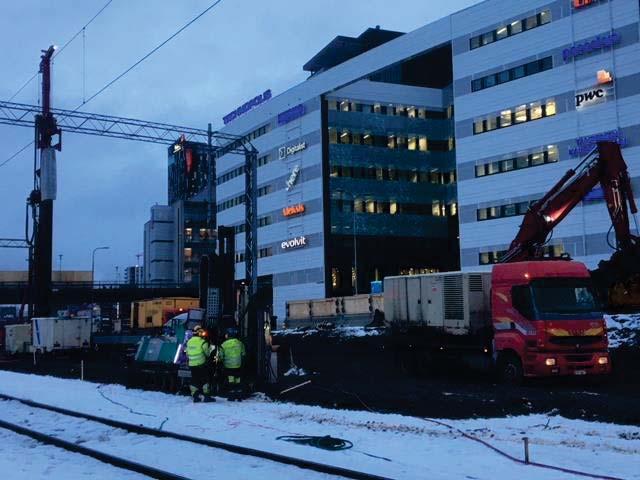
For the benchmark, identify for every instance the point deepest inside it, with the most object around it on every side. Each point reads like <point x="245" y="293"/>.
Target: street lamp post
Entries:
<point x="93" y="263"/>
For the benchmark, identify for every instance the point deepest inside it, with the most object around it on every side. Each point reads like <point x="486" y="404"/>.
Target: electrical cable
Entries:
<point x="155" y="49"/>
<point x="327" y="442"/>
<point x="57" y="52"/>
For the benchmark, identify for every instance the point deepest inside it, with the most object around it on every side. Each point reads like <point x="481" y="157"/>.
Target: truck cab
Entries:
<point x="547" y="321"/>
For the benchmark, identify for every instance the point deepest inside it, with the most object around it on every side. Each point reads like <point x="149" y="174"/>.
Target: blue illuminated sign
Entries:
<point x="585" y="144"/>
<point x="291" y="114"/>
<point x="594" y="45"/>
<point x="254" y="102"/>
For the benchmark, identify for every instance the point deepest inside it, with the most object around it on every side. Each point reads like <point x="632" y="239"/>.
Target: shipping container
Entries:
<point x="54" y="333"/>
<point x="18" y="338"/>
<point x="155" y="313"/>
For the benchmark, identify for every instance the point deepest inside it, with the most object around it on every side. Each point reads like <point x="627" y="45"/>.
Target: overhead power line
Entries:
<point x="154" y="50"/>
<point x="58" y="52"/>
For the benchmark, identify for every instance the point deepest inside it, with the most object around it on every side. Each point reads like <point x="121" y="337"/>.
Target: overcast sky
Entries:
<point x="237" y="50"/>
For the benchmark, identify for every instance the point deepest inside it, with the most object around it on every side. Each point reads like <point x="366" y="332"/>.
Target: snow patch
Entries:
<point x="623" y="330"/>
<point x="295" y="372"/>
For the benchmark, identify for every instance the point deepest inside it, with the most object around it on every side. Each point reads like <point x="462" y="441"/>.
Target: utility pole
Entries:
<point x="44" y="192"/>
<point x="60" y="267"/>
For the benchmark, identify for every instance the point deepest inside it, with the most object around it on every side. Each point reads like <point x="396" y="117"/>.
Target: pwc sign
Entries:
<point x="597" y="94"/>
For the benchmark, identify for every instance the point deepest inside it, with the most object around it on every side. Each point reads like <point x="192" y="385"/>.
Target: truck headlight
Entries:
<point x="603" y="360"/>
<point x="550" y="362"/>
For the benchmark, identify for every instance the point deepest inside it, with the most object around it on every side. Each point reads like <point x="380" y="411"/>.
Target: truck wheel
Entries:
<point x="510" y="370"/>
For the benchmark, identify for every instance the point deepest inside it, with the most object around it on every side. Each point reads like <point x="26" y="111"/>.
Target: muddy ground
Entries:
<point x="362" y="373"/>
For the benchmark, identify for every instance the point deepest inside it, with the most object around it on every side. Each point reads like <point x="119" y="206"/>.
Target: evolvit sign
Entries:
<point x="254" y="102"/>
<point x="296" y="242"/>
<point x="293" y="178"/>
<point x="284" y="152"/>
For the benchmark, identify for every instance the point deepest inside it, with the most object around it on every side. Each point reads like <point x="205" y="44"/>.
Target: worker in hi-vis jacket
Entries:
<point x="198" y="353"/>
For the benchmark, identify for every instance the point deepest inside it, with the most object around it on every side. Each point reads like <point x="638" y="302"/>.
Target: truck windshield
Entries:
<point x="564" y="296"/>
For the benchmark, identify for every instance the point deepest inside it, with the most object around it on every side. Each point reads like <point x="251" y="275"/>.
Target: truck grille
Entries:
<point x="575" y="340"/>
<point x="579" y="358"/>
<point x="453" y="302"/>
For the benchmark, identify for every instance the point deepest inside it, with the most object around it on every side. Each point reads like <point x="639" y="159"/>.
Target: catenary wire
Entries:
<point x="158" y="47"/>
<point x="155" y="49"/>
<point x="58" y="52"/>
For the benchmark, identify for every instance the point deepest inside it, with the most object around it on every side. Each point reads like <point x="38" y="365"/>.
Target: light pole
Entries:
<point x="93" y="263"/>
<point x="60" y="268"/>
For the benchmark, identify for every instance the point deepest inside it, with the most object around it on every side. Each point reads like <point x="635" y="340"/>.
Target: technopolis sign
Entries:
<point x="254" y="102"/>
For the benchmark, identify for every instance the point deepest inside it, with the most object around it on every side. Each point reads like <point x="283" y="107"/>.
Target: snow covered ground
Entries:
<point x="623" y="330"/>
<point x="22" y="458"/>
<point x="395" y="446"/>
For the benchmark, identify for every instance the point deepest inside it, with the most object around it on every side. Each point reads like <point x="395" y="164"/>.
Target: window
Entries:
<point x="504" y="31"/>
<point x="511" y="74"/>
<point x="507" y="165"/>
<point x="391" y="141"/>
<point x="521" y="298"/>
<point x="522" y="162"/>
<point x="367" y="139"/>
<point x="393" y="208"/>
<point x="478" y="127"/>
<point x="515" y="27"/>
<point x="482" y="214"/>
<point x="493" y="167"/>
<point x="550" y="108"/>
<point x="480" y="171"/>
<point x="491" y="123"/>
<point x="333" y="135"/>
<point x="552" y="154"/>
<point x="535" y="110"/>
<point x="521" y="114"/>
<point x="411" y="112"/>
<point x="332" y="105"/>
<point x="422" y="143"/>
<point x="505" y="118"/>
<point x="345" y="137"/>
<point x="537" y="159"/>
<point x="412" y="143"/>
<point x="501" y="211"/>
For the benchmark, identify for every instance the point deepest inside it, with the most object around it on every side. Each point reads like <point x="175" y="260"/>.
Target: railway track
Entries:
<point x="186" y="440"/>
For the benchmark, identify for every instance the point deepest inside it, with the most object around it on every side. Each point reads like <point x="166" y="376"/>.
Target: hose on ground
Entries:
<point x="325" y="443"/>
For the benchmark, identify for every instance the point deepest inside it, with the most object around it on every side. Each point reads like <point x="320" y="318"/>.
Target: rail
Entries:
<point x="142" y="430"/>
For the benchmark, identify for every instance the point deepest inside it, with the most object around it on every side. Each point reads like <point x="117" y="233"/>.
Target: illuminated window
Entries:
<point x="550" y="108"/>
<point x="371" y="206"/>
<point x="491" y="123"/>
<point x="507" y="165"/>
<point x="482" y="214"/>
<point x="502" y="32"/>
<point x="505" y="118"/>
<point x="552" y="154"/>
<point x="345" y="137"/>
<point x="537" y="159"/>
<point x="515" y="27"/>
<point x="435" y="209"/>
<point x="333" y="135"/>
<point x="422" y="113"/>
<point x="411" y="112"/>
<point x="344" y="106"/>
<point x="367" y="139"/>
<point x="377" y="108"/>
<point x="393" y="208"/>
<point x="187" y="253"/>
<point x="478" y="127"/>
<point x="391" y="141"/>
<point x="423" y="144"/>
<point x="493" y="167"/>
<point x="358" y="205"/>
<point x="453" y="209"/>
<point x="521" y="114"/>
<point x="545" y="17"/>
<point x="535" y="110"/>
<point x="412" y="143"/>
<point x="335" y="277"/>
<point x="480" y="171"/>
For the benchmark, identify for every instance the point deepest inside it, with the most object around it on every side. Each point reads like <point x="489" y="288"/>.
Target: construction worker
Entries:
<point x="232" y="353"/>
<point x="198" y="353"/>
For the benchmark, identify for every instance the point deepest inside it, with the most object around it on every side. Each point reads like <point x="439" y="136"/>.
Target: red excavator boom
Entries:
<point x="603" y="165"/>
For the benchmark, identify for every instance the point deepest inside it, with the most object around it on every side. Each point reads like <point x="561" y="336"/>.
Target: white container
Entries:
<point x="18" y="338"/>
<point x="52" y="333"/>
<point x="458" y="303"/>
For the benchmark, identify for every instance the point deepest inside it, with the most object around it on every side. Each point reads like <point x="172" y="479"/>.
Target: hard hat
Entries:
<point x="197" y="328"/>
<point x="232" y="331"/>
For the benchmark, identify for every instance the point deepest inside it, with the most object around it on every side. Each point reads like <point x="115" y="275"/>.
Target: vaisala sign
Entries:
<point x="597" y="94"/>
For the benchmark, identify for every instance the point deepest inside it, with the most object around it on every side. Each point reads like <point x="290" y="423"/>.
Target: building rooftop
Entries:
<point x="343" y="48"/>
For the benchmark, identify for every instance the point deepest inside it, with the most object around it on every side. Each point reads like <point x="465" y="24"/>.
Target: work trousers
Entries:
<point x="199" y="381"/>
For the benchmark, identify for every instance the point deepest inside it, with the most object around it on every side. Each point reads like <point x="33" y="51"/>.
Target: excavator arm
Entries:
<point x="604" y="165"/>
<point x="618" y="278"/>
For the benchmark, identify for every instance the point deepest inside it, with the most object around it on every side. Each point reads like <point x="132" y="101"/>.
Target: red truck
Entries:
<point x="529" y="316"/>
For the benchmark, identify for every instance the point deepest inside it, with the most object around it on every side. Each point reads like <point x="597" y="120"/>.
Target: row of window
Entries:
<point x="258" y="132"/>
<point x="199" y="234"/>
<point x="393" y="174"/>
<point x="239" y="200"/>
<point x="549" y="251"/>
<point x="359" y="205"/>
<point x="501" y="211"/>
<point x="262" y="253"/>
<point x="399" y="142"/>
<point x="511" y="74"/>
<point x="548" y="154"/>
<point x="513" y="28"/>
<point x="515" y="116"/>
<point x="390" y="110"/>
<point x="236" y="172"/>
